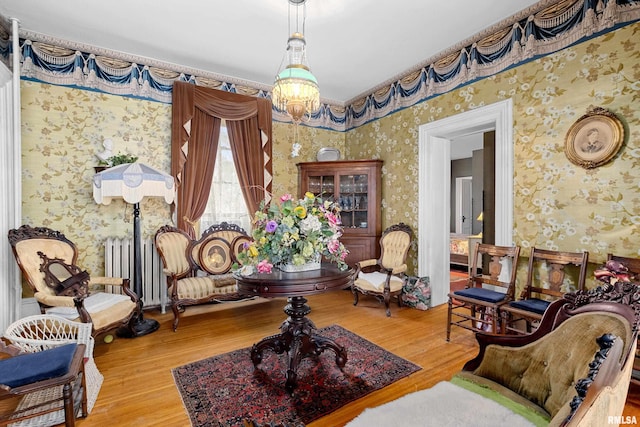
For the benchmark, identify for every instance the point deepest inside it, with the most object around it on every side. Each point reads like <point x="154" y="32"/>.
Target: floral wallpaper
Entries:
<point x="62" y="130"/>
<point x="285" y="171"/>
<point x="557" y="205"/>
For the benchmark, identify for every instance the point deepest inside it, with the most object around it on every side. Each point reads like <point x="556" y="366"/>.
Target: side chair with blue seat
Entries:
<point x="54" y="376"/>
<point x="550" y="275"/>
<point x="476" y="307"/>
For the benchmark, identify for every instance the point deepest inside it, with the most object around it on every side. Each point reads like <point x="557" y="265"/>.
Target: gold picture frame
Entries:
<point x="594" y="139"/>
<point x="215" y="256"/>
<point x="237" y="246"/>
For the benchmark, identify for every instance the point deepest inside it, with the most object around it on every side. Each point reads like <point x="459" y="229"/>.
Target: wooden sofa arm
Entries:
<point x="366" y="263"/>
<point x="607" y="381"/>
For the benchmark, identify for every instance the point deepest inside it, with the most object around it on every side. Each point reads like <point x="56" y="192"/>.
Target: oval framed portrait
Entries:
<point x="594" y="139"/>
<point x="215" y="256"/>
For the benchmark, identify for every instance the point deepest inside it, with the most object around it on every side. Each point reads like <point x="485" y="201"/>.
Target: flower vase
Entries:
<point x="307" y="266"/>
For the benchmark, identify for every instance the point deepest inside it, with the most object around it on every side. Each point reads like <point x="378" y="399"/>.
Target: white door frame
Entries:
<point x="434" y="186"/>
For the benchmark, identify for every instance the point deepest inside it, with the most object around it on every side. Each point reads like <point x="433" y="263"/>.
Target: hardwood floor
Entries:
<point x="139" y="390"/>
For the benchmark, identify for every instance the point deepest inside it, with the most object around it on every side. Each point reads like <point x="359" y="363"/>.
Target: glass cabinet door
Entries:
<point x="354" y="185"/>
<point x="354" y="200"/>
<point x="323" y="186"/>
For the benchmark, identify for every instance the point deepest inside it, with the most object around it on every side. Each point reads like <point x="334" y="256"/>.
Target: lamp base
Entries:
<point x="139" y="328"/>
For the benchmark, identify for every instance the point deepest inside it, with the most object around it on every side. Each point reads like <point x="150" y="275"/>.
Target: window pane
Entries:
<point x="225" y="199"/>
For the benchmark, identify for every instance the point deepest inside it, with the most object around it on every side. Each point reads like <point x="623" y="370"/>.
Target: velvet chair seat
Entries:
<point x="535" y="305"/>
<point x="33" y="367"/>
<point x="481" y="294"/>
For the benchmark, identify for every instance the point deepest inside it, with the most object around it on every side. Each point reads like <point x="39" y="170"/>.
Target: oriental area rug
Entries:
<point x="226" y="390"/>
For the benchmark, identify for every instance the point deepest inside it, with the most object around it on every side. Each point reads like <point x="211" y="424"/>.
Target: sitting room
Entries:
<point x="207" y="122"/>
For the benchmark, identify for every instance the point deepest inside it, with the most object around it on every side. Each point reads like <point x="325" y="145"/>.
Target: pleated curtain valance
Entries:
<point x="197" y="114"/>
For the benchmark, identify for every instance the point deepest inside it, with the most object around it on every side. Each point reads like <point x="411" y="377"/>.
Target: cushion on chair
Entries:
<point x="481" y="294"/>
<point x="395" y="248"/>
<point x="223" y="280"/>
<point x="94" y="304"/>
<point x="172" y="246"/>
<point x="33" y="367"/>
<point x="375" y="281"/>
<point x="534" y="304"/>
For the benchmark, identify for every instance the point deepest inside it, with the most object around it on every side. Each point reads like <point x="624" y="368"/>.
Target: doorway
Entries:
<point x="434" y="153"/>
<point x="464" y="221"/>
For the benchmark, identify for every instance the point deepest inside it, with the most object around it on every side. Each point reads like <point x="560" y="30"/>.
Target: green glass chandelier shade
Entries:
<point x="295" y="89"/>
<point x="296" y="92"/>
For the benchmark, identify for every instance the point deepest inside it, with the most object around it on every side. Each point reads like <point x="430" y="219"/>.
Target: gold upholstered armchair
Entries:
<point x="48" y="259"/>
<point x="383" y="277"/>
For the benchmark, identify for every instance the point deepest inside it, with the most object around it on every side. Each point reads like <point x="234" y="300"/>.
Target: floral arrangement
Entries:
<point x="295" y="232"/>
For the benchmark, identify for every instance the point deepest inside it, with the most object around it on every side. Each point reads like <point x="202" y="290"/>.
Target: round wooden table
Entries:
<point x="298" y="337"/>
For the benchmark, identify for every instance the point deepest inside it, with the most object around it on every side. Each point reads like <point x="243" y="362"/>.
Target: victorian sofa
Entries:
<point x="199" y="271"/>
<point x="574" y="370"/>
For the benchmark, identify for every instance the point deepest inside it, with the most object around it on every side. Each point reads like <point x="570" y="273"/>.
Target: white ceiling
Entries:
<point x="353" y="46"/>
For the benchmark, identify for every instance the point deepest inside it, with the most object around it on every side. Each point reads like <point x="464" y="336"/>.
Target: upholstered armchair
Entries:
<point x="47" y="260"/>
<point x="199" y="271"/>
<point x="383" y="277"/>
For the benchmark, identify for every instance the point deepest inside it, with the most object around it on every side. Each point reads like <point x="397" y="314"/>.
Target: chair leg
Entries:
<point x="387" y="299"/>
<point x="449" y="308"/>
<point x="67" y="395"/>
<point x="504" y="322"/>
<point x="176" y="316"/>
<point x="355" y="295"/>
<point x="494" y="322"/>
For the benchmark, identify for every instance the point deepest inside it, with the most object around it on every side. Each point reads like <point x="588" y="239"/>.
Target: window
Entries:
<point x="226" y="202"/>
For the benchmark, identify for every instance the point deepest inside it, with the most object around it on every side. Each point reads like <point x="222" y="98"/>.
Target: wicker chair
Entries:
<point x="388" y="276"/>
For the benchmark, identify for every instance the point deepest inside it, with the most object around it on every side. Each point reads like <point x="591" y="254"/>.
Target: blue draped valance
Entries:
<point x="533" y="33"/>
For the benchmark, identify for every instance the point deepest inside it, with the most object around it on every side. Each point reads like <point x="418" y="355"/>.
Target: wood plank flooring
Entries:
<point x="139" y="390"/>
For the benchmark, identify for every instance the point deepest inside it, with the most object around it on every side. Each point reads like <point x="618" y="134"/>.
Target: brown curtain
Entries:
<point x="246" y="147"/>
<point x="201" y="158"/>
<point x="195" y="111"/>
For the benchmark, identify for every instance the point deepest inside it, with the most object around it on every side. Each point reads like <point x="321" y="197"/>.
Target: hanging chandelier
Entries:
<point x="295" y="89"/>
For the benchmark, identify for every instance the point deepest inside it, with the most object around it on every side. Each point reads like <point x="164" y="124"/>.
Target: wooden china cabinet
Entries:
<point x="355" y="186"/>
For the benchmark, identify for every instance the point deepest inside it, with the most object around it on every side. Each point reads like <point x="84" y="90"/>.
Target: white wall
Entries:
<point x="10" y="188"/>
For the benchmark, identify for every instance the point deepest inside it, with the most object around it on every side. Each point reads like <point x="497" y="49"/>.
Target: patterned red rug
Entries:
<point x="226" y="390"/>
